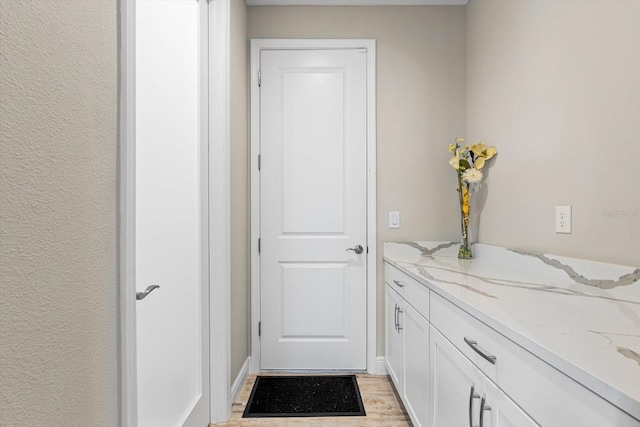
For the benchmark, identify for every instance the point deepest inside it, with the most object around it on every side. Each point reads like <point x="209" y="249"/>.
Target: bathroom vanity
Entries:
<point x="511" y="338"/>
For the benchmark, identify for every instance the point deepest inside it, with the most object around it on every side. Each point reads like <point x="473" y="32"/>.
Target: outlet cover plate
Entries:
<point x="563" y="219"/>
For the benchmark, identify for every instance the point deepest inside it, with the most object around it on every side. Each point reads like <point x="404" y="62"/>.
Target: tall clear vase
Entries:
<point x="465" y="207"/>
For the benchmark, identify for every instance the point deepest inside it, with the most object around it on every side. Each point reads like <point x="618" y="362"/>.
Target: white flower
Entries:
<point x="472" y="175"/>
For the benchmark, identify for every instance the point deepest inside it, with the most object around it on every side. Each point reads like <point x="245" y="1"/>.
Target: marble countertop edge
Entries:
<point x="589" y="380"/>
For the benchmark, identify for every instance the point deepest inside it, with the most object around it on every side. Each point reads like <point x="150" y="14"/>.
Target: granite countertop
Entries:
<point x="582" y="317"/>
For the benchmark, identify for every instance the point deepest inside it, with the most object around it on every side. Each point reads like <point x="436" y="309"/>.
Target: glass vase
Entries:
<point x="465" y="207"/>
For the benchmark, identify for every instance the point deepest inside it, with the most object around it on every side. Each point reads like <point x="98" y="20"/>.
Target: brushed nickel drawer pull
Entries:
<point x="474" y="345"/>
<point x="397" y="282"/>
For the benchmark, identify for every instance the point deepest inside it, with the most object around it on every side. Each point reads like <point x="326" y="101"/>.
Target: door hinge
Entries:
<point x="259" y="78"/>
<point x="367" y="249"/>
<point x="259" y="245"/>
<point x="259" y="329"/>
<point x="259" y="162"/>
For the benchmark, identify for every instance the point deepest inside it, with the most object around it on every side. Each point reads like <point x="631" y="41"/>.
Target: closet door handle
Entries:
<point x="483" y="407"/>
<point x="472" y="395"/>
<point x="143" y="295"/>
<point x="399" y="313"/>
<point x="474" y="345"/>
<point x="357" y="249"/>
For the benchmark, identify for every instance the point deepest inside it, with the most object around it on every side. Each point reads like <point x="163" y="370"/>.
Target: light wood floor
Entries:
<point x="382" y="405"/>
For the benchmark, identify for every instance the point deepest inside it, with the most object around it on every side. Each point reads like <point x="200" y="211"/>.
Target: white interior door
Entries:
<point x="313" y="136"/>
<point x="171" y="213"/>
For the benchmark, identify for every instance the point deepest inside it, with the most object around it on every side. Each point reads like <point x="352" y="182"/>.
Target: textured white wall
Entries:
<point x="421" y="106"/>
<point x="58" y="92"/>
<point x="555" y="85"/>
<point x="240" y="257"/>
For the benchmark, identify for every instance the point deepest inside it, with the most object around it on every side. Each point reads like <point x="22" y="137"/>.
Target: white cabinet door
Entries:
<point x="500" y="411"/>
<point x="455" y="385"/>
<point x="415" y="337"/>
<point x="394" y="339"/>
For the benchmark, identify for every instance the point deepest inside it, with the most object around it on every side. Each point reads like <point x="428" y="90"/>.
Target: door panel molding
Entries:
<point x="257" y="45"/>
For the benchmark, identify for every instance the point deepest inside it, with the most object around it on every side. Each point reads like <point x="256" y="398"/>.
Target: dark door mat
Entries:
<point x="305" y="396"/>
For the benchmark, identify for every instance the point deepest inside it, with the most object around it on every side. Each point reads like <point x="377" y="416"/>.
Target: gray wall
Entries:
<point x="421" y="77"/>
<point x="555" y="85"/>
<point x="58" y="133"/>
<point x="240" y="258"/>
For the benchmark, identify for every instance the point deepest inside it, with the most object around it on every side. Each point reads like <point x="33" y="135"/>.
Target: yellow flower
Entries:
<point x="452" y="148"/>
<point x="465" y="202"/>
<point x="483" y="154"/>
<point x="455" y="161"/>
<point x="459" y="140"/>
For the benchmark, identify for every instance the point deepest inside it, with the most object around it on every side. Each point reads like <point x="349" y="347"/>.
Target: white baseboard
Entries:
<point x="240" y="379"/>
<point x="381" y="366"/>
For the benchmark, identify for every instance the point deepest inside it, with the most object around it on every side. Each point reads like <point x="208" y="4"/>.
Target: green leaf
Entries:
<point x="464" y="164"/>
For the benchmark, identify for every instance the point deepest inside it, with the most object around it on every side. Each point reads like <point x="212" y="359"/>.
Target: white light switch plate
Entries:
<point x="394" y="219"/>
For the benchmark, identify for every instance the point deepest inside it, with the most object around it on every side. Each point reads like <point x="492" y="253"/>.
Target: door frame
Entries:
<point x="218" y="129"/>
<point x="257" y="45"/>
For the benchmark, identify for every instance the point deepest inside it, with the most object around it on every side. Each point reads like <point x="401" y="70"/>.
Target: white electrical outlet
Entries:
<point x="394" y="219"/>
<point x="563" y="219"/>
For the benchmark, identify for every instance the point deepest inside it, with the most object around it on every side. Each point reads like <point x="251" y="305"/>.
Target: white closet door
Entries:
<point x="313" y="209"/>
<point x="171" y="214"/>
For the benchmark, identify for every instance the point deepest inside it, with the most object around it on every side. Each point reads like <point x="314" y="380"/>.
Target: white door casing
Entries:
<point x="171" y="213"/>
<point x="313" y="126"/>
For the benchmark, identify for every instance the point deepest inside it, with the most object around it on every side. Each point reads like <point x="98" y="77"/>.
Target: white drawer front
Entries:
<point x="458" y="326"/>
<point x="415" y="293"/>
<point x="547" y="395"/>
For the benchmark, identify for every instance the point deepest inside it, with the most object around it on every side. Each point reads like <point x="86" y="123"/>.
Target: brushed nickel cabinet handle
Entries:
<point x="474" y="345"/>
<point x="483" y="407"/>
<point x="395" y="317"/>
<point x="397" y="282"/>
<point x="472" y="395"/>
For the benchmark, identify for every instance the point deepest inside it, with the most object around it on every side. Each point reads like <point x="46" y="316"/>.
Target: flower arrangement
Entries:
<point x="468" y="162"/>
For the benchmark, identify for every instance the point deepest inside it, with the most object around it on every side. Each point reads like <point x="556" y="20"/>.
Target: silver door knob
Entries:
<point x="357" y="249"/>
<point x="143" y="295"/>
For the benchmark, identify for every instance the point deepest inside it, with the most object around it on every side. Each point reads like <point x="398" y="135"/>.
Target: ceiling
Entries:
<point x="356" y="2"/>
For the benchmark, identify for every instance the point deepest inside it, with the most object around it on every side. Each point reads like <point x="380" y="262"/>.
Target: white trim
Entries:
<point x="205" y="215"/>
<point x="357" y="2"/>
<point x="219" y="208"/>
<point x="256" y="46"/>
<point x="381" y="366"/>
<point x="241" y="379"/>
<point x="255" y="209"/>
<point x="128" y="409"/>
<point x="372" y="238"/>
